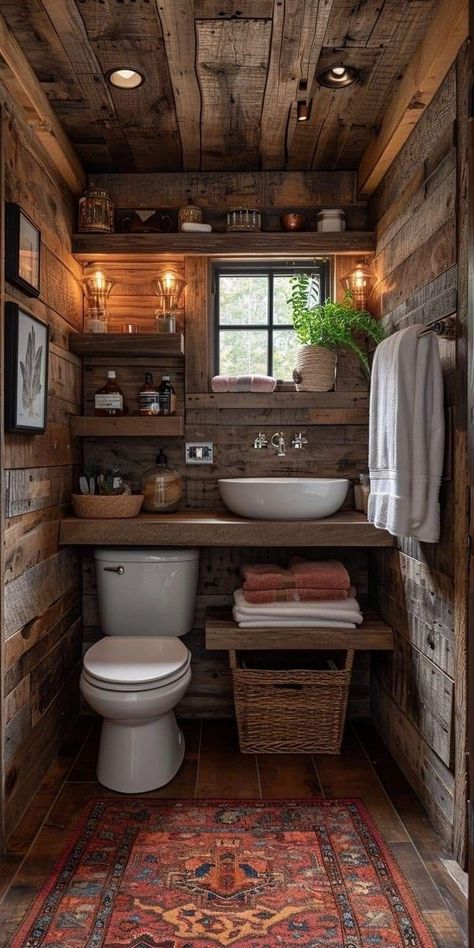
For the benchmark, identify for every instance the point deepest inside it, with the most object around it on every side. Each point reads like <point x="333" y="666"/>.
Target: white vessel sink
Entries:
<point x="283" y="498"/>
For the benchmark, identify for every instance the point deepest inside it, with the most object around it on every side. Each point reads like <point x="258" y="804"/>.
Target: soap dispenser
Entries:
<point x="162" y="487"/>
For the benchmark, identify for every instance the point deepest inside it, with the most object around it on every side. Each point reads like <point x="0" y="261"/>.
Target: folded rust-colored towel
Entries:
<point x="301" y="574"/>
<point x="299" y="594"/>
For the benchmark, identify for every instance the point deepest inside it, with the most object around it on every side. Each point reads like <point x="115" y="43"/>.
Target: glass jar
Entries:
<point x="164" y="322"/>
<point x="96" y="211"/>
<point x="162" y="487"/>
<point x="244" y="219"/>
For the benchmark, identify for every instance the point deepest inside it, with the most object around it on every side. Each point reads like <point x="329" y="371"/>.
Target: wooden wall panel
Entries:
<point x="413" y="586"/>
<point x="42" y="626"/>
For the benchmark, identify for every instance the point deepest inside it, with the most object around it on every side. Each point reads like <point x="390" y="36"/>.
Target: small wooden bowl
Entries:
<point x="292" y="222"/>
<point x="108" y="506"/>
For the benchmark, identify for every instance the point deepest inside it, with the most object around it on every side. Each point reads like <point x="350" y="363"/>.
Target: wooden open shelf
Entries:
<point x="87" y="247"/>
<point x="309" y="408"/>
<point x="130" y="346"/>
<point x="222" y="633"/>
<point x="130" y="426"/>
<point x="346" y="528"/>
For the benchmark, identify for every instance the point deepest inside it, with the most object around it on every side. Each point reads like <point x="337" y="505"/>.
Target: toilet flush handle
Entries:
<point x="114" y="569"/>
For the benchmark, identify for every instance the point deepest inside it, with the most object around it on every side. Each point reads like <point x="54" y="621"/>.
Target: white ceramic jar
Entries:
<point x="331" y="221"/>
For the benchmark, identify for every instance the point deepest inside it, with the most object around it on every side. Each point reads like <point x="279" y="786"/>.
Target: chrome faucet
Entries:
<point x="299" y="441"/>
<point x="261" y="441"/>
<point x="279" y="444"/>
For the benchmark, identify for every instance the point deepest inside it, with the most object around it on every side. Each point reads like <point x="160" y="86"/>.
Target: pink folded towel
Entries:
<point x="298" y="594"/>
<point x="243" y="383"/>
<point x="301" y="574"/>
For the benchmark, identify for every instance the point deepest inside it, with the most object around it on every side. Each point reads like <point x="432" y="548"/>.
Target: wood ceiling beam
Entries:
<point x="177" y="23"/>
<point x="435" y="54"/>
<point x="298" y="33"/>
<point x="25" y="88"/>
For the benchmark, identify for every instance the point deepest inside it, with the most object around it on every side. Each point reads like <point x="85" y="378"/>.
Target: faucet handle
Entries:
<point x="299" y="441"/>
<point x="278" y="442"/>
<point x="261" y="441"/>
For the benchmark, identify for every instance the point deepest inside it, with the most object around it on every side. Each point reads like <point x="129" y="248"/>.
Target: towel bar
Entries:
<point x="445" y="327"/>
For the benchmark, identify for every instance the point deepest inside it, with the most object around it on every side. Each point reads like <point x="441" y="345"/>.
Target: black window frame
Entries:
<point x="271" y="269"/>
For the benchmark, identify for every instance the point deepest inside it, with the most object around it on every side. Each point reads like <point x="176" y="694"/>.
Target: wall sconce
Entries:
<point x="97" y="287"/>
<point x="168" y="287"/>
<point x="359" y="283"/>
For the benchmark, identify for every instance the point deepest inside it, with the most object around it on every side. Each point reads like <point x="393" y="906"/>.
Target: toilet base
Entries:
<point x="137" y="757"/>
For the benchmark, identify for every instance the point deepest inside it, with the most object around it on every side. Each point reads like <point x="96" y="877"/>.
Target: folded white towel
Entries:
<point x="293" y="624"/>
<point x="406" y="437"/>
<point x="345" y="610"/>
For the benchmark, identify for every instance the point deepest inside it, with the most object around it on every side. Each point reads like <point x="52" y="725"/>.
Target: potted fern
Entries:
<point x="323" y="329"/>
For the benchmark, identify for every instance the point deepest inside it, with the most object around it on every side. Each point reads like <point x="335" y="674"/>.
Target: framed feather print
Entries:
<point x="26" y="371"/>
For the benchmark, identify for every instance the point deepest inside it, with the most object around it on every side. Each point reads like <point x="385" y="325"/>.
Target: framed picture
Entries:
<point x="26" y="371"/>
<point x="22" y="250"/>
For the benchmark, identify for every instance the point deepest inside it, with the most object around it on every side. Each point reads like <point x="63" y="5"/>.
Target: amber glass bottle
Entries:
<point x="167" y="396"/>
<point x="161" y="487"/>
<point x="109" y="399"/>
<point x="148" y="397"/>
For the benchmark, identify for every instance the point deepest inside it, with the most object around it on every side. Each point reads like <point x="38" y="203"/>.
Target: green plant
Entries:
<point x="330" y="325"/>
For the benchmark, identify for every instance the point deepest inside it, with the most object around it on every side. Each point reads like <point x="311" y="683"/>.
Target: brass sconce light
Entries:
<point x="97" y="287"/>
<point x="168" y="287"/>
<point x="359" y="283"/>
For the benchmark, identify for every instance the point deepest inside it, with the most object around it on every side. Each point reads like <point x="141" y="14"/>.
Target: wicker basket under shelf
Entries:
<point x="294" y="711"/>
<point x="107" y="506"/>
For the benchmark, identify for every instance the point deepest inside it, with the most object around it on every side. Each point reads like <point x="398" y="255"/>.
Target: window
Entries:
<point x="254" y="332"/>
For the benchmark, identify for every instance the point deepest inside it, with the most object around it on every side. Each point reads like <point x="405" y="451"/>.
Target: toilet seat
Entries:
<point x="138" y="663"/>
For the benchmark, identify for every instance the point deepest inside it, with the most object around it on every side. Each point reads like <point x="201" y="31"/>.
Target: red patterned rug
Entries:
<point x="150" y="873"/>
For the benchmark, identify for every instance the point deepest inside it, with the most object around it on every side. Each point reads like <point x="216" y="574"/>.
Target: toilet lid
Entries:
<point x="136" y="661"/>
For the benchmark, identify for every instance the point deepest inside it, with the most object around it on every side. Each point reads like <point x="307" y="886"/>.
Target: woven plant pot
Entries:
<point x="315" y="369"/>
<point x="107" y="506"/>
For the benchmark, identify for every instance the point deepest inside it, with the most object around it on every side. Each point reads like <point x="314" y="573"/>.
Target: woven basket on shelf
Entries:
<point x="106" y="506"/>
<point x="298" y="712"/>
<point x="315" y="369"/>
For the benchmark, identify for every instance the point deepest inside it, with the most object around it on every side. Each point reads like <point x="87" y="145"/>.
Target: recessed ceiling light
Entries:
<point x="125" y="78"/>
<point x="338" y="76"/>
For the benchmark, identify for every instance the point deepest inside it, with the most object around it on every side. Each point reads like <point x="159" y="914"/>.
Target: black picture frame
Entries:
<point x="22" y="250"/>
<point x="26" y="371"/>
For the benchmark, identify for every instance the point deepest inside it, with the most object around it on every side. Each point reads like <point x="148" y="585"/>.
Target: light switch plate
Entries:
<point x="199" y="452"/>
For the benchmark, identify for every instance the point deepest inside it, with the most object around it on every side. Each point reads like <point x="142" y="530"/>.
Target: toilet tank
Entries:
<point x="146" y="591"/>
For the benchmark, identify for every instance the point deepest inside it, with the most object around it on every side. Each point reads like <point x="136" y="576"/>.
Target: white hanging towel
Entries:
<point x="406" y="435"/>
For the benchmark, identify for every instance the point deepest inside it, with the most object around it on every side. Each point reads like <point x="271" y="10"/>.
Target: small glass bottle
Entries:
<point x="161" y="487"/>
<point x="148" y="397"/>
<point x="109" y="399"/>
<point x="361" y="493"/>
<point x="167" y="396"/>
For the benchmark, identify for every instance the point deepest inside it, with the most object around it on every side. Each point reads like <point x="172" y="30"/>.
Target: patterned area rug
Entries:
<point x="150" y="873"/>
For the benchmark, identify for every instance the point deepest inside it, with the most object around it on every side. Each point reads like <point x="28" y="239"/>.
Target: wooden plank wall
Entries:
<point x="42" y="605"/>
<point x="334" y="449"/>
<point x="413" y="689"/>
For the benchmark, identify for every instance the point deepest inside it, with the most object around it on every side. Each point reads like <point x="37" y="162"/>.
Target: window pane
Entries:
<point x="243" y="353"/>
<point x="243" y="300"/>
<point x="282" y="292"/>
<point x="285" y="345"/>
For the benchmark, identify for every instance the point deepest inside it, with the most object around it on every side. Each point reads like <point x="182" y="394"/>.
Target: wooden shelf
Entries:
<point x="223" y="633"/>
<point x="130" y="426"/>
<point x="123" y="344"/>
<point x="347" y="528"/>
<point x="308" y="408"/>
<point x="87" y="247"/>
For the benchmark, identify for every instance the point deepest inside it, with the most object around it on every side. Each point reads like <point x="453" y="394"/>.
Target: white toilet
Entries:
<point x="137" y="674"/>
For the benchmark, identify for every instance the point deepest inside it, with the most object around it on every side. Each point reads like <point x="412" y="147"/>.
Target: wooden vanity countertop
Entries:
<point x="347" y="528"/>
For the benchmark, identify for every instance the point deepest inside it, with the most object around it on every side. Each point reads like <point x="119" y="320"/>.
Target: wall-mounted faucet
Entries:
<point x="261" y="441"/>
<point x="299" y="441"/>
<point x="278" y="443"/>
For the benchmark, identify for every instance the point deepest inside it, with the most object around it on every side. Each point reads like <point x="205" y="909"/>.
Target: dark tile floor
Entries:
<point x="215" y="768"/>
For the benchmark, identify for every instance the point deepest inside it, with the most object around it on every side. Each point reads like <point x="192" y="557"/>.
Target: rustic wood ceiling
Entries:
<point x="221" y="77"/>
